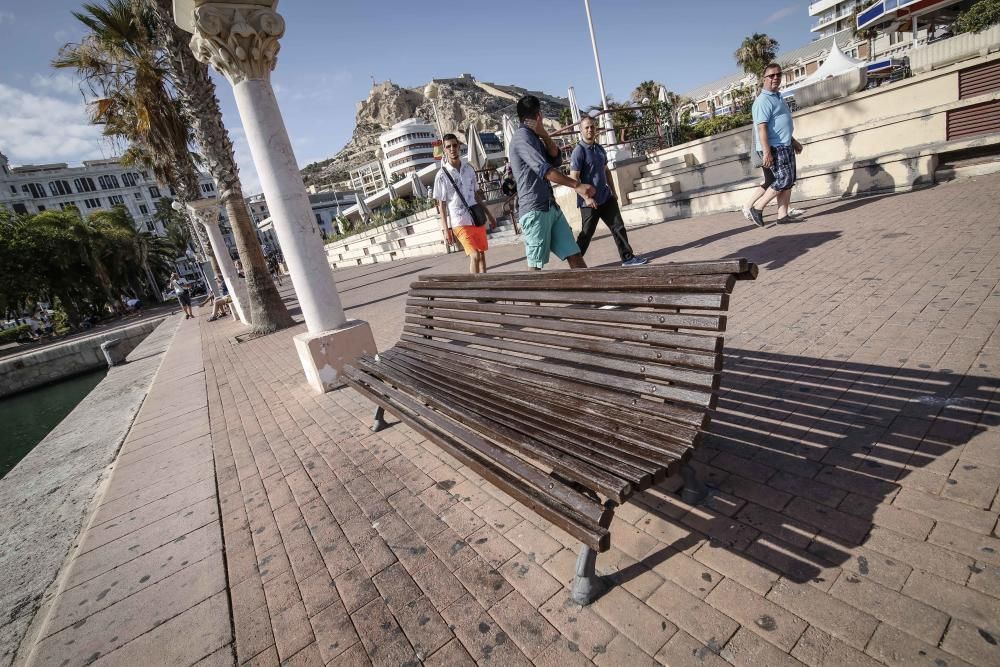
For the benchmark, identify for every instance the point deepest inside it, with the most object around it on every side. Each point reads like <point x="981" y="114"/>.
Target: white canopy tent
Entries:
<point x="835" y="64"/>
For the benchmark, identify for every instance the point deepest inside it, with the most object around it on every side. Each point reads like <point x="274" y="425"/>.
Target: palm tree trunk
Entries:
<point x="197" y="93"/>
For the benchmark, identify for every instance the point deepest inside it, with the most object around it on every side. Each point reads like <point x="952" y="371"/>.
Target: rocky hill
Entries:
<point x="460" y="101"/>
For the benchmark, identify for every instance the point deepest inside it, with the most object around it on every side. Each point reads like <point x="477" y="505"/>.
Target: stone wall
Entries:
<point x="56" y="362"/>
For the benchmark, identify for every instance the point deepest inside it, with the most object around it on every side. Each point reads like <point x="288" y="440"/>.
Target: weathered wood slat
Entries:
<point x="649" y="366"/>
<point x="632" y="386"/>
<point x="595" y="284"/>
<point x="504" y="431"/>
<point x="659" y="319"/>
<point x="649" y="300"/>
<point x="659" y="337"/>
<point x="580" y="410"/>
<point x="725" y="266"/>
<point x="642" y="451"/>
<point x="655" y="410"/>
<point x="578" y="515"/>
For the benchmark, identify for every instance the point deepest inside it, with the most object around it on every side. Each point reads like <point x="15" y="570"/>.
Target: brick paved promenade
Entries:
<point x="855" y="460"/>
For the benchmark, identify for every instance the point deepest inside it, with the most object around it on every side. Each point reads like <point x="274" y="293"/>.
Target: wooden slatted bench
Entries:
<point x="568" y="390"/>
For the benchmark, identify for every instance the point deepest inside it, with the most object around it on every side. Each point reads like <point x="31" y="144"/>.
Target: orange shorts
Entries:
<point x="472" y="238"/>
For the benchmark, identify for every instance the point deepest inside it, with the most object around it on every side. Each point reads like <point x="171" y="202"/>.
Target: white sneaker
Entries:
<point x="746" y="213"/>
<point x="796" y="212"/>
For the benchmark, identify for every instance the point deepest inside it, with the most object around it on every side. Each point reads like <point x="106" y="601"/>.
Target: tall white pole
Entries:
<point x="597" y="57"/>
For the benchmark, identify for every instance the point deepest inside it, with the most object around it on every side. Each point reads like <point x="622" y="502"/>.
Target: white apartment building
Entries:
<point x="369" y="178"/>
<point x="95" y="185"/>
<point x="407" y="147"/>
<point x="833" y="16"/>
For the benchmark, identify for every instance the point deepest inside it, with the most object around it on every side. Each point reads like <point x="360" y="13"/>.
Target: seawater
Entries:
<point x="26" y="418"/>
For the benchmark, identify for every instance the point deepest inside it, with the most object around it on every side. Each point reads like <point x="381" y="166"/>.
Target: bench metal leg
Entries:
<point x="380" y="422"/>
<point x="694" y="490"/>
<point x="587" y="586"/>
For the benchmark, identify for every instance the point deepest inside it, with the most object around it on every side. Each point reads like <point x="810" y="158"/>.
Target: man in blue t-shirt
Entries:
<point x="772" y="121"/>
<point x="589" y="164"/>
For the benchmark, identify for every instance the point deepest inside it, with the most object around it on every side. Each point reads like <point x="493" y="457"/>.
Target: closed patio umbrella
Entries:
<point x="477" y="152"/>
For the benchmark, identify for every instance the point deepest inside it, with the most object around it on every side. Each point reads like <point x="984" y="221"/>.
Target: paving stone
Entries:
<point x="942" y="509"/>
<point x="775" y="624"/>
<point x="818" y="649"/>
<point x="829" y="614"/>
<point x="535" y="543"/>
<point x="491" y="546"/>
<point x="746" y="648"/>
<point x="334" y="631"/>
<point x="976" y="545"/>
<point x="396" y="586"/>
<point x="483" y="581"/>
<point x="887" y="605"/>
<point x="292" y="631"/>
<point x="355" y="588"/>
<point x="959" y="601"/>
<point x="683" y="650"/>
<point x="451" y="654"/>
<point x="380" y="633"/>
<point x="523" y="624"/>
<point x="920" y="555"/>
<point x="738" y="567"/>
<point x="973" y="643"/>
<point x="648" y="629"/>
<point x="481" y="636"/>
<point x="692" y="615"/>
<point x="529" y="579"/>
<point x="423" y="626"/>
<point x="318" y="592"/>
<point x="895" y="648"/>
<point x="622" y="651"/>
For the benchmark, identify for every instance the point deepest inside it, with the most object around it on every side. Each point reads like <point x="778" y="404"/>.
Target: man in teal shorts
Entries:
<point x="535" y="160"/>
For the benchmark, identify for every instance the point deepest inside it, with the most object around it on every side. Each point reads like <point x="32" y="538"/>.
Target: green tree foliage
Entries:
<point x="178" y="238"/>
<point x="982" y="15"/>
<point x="83" y="264"/>
<point x="755" y="53"/>
<point x="647" y="90"/>
<point x="868" y="34"/>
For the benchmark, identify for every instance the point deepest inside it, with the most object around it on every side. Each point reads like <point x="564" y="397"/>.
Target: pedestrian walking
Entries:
<point x="589" y="164"/>
<point x="180" y="287"/>
<point x="274" y="267"/>
<point x="454" y="188"/>
<point x="535" y="160"/>
<point x="772" y="120"/>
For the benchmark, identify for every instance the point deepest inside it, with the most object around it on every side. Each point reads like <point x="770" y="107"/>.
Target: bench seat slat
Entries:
<point x="618" y="445"/>
<point x="707" y="301"/>
<point x="496" y="427"/>
<point x="671" y="393"/>
<point x="726" y="266"/>
<point x="549" y="498"/>
<point x="658" y="337"/>
<point x="503" y="338"/>
<point x="657" y="410"/>
<point x="660" y="319"/>
<point x="636" y="435"/>
<point x="596" y="284"/>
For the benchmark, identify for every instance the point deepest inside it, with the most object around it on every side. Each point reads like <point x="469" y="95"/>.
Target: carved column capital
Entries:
<point x="239" y="40"/>
<point x="205" y="212"/>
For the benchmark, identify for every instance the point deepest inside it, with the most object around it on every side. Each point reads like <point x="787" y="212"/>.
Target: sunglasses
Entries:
<point x="773" y="76"/>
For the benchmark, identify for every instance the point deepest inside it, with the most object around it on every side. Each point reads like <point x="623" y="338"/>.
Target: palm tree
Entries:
<point x="755" y="53"/>
<point x="197" y="95"/>
<point x="647" y="90"/>
<point x="868" y="34"/>
<point x="565" y="116"/>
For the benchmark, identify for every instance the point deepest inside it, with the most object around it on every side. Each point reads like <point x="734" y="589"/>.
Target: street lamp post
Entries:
<point x="240" y="40"/>
<point x="431" y="92"/>
<point x="610" y="138"/>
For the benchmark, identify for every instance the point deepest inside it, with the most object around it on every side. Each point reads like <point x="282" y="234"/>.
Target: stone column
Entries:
<point x="240" y="40"/>
<point x="206" y="212"/>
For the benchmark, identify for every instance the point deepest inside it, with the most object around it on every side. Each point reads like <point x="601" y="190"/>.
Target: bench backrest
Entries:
<point x="640" y="348"/>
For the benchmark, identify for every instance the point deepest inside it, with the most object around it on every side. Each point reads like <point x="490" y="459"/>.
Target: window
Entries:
<point x="128" y="180"/>
<point x="67" y="205"/>
<point x="41" y="207"/>
<point x="84" y="184"/>
<point x="138" y="195"/>
<point x="207" y="187"/>
<point x="92" y="203"/>
<point x="116" y="200"/>
<point x="13" y="190"/>
<point x="145" y="175"/>
<point x="154" y="191"/>
<point x="143" y="209"/>
<point x="149" y="226"/>
<point x="59" y="188"/>
<point x="108" y="182"/>
<point x="20" y="208"/>
<point x="34" y="189"/>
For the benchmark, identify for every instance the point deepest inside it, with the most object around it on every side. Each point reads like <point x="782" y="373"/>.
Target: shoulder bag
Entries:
<point x="477" y="211"/>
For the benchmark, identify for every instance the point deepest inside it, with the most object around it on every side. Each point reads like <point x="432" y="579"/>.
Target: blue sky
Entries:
<point x="331" y="51"/>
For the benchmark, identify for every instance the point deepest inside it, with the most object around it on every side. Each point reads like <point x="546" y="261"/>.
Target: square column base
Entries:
<point x="324" y="354"/>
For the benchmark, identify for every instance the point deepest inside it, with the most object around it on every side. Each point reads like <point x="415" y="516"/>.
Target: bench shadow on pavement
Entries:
<point x="815" y="447"/>
<point x="775" y="252"/>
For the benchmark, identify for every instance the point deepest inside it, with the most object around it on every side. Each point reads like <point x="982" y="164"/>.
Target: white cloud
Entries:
<point x="59" y="83"/>
<point x="6" y="17"/>
<point x="782" y="13"/>
<point x="38" y="128"/>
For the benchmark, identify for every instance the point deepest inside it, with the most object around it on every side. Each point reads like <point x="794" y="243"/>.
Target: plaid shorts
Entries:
<point x="781" y="175"/>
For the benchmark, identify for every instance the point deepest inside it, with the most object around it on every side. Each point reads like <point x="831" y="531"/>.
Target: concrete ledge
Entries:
<point x="63" y="360"/>
<point x="48" y="496"/>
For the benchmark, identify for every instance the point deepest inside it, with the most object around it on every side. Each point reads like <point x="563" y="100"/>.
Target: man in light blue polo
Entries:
<point x="772" y="120"/>
<point x="535" y="160"/>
